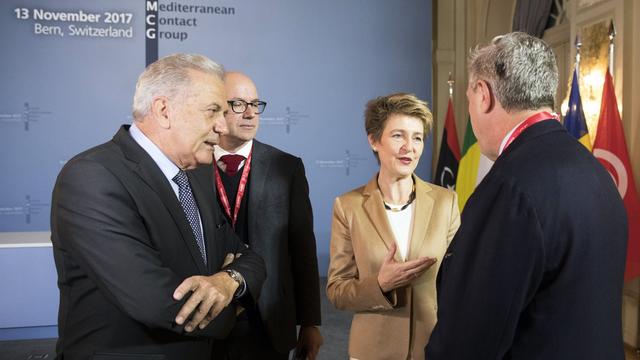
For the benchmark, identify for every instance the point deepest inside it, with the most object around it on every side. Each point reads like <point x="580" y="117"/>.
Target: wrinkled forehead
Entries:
<point x="205" y="86"/>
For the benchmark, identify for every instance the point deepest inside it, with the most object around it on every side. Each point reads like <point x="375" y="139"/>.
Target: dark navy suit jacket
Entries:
<point x="536" y="268"/>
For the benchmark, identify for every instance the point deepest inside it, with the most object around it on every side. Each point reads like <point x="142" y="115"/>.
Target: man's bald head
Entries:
<point x="242" y="92"/>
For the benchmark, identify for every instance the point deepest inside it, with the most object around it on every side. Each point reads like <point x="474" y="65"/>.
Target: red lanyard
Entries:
<point x="241" y="189"/>
<point x="533" y="119"/>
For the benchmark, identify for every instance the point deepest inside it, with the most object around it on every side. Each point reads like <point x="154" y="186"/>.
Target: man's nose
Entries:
<point x="250" y="111"/>
<point x="220" y="125"/>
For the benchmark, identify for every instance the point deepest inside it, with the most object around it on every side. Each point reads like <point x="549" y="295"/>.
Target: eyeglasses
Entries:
<point x="239" y="106"/>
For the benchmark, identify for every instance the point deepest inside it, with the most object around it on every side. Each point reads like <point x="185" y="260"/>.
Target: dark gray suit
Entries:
<point x="122" y="244"/>
<point x="280" y="229"/>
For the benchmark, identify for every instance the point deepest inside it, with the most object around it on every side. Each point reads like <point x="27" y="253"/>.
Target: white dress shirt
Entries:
<point x="219" y="152"/>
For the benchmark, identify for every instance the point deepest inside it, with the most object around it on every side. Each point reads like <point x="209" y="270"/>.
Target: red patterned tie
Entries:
<point x="232" y="162"/>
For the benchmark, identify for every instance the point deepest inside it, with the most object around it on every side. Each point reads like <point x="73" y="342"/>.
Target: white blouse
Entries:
<point x="401" y="224"/>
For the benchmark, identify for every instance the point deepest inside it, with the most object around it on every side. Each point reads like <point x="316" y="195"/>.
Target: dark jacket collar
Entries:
<point x="149" y="172"/>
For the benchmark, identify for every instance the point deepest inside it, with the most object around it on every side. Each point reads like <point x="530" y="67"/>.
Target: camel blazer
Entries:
<point x="396" y="325"/>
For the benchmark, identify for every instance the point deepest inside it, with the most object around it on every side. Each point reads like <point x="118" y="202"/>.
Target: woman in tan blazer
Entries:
<point x="388" y="237"/>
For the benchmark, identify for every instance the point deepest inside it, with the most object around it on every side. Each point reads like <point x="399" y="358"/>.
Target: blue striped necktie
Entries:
<point x="190" y="208"/>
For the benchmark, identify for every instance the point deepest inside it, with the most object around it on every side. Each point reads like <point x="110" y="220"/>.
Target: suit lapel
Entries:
<point x="421" y="217"/>
<point x="151" y="174"/>
<point x="374" y="208"/>
<point x="257" y="181"/>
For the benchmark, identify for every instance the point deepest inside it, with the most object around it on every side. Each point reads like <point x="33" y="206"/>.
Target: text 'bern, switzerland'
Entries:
<point x="118" y="24"/>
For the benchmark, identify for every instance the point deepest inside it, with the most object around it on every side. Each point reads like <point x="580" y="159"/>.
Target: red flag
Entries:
<point x="610" y="148"/>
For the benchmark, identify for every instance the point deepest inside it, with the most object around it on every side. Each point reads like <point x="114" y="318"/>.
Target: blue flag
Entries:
<point x="574" y="121"/>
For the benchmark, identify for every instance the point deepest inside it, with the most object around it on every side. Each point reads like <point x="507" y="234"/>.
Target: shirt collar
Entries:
<point x="168" y="168"/>
<point x="218" y="152"/>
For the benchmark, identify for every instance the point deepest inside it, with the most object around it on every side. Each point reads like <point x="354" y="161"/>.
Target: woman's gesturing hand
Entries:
<point x="395" y="274"/>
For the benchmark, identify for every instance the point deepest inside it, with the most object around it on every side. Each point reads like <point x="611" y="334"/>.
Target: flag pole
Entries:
<point x="450" y="82"/>
<point x="612" y="36"/>
<point x="578" y="45"/>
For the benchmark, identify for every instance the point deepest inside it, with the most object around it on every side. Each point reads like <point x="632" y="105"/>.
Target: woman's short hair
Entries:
<point x="378" y="111"/>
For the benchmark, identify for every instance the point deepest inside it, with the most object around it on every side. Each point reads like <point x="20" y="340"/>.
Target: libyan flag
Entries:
<point x="447" y="168"/>
<point x="610" y="148"/>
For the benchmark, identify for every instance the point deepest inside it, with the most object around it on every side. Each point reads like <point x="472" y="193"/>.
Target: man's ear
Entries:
<point x="487" y="100"/>
<point x="161" y="110"/>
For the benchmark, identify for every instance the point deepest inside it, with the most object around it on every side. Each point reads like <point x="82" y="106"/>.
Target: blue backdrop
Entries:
<point x="68" y="70"/>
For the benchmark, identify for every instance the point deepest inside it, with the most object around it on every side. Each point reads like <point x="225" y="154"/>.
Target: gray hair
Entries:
<point x="520" y="69"/>
<point x="169" y="76"/>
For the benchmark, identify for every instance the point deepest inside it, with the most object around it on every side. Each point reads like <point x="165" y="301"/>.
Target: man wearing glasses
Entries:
<point x="264" y="193"/>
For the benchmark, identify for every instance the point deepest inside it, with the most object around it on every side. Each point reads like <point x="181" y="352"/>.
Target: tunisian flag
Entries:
<point x="447" y="168"/>
<point x="610" y="148"/>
